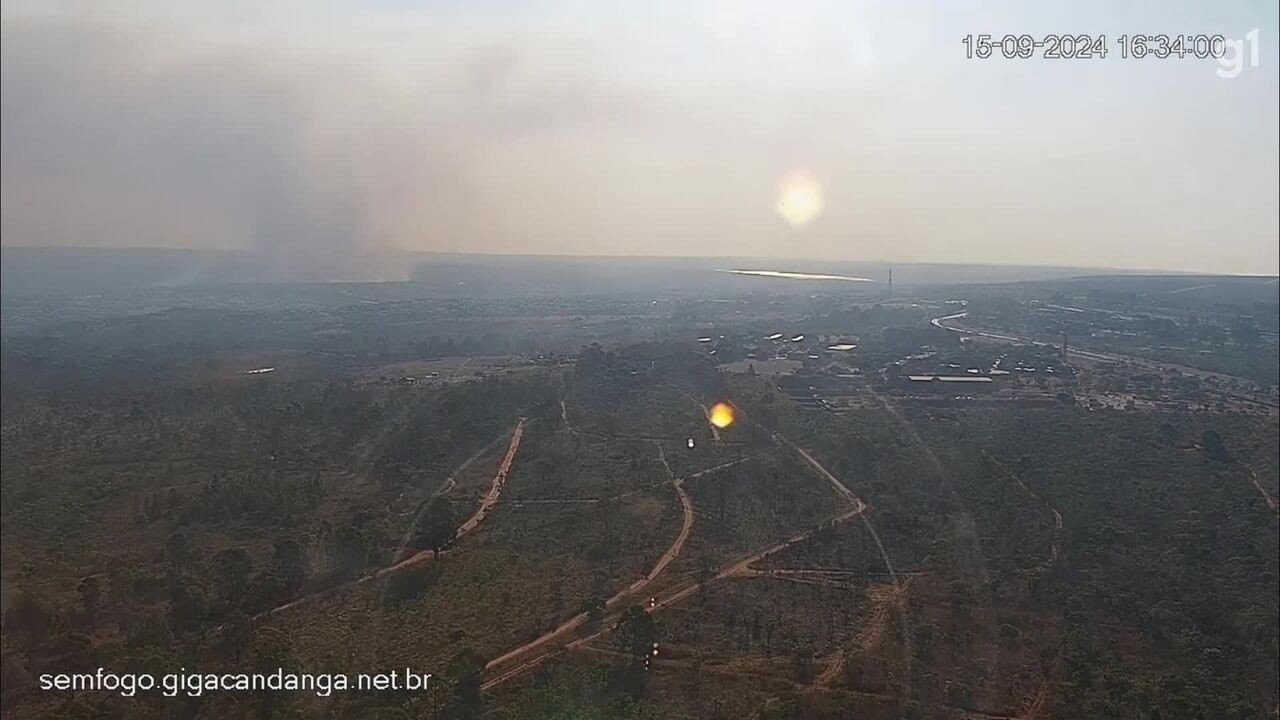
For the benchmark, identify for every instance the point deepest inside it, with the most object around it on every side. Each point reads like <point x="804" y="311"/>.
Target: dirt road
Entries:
<point x="1267" y="497"/>
<point x="840" y="487"/>
<point x="445" y="487"/>
<point x="486" y="503"/>
<point x="686" y="525"/>
<point x="721" y="466"/>
<point x="573" y="623"/>
<point x="883" y="598"/>
<point x="565" y="422"/>
<point x="495" y="490"/>
<point x="740" y="567"/>
<point x="1055" y="548"/>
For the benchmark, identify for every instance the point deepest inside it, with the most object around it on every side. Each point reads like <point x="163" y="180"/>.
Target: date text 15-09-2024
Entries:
<point x="1085" y="46"/>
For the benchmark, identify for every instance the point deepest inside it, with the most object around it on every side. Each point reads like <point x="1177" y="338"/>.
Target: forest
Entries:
<point x="575" y="539"/>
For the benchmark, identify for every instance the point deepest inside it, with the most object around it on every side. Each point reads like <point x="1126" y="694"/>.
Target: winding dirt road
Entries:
<point x="486" y="504"/>
<point x="739" y="568"/>
<point x="445" y="487"/>
<point x="847" y="494"/>
<point x="686" y="525"/>
<point x="1055" y="548"/>
<point x="577" y="621"/>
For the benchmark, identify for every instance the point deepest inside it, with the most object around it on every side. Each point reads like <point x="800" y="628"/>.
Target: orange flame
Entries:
<point x="721" y="415"/>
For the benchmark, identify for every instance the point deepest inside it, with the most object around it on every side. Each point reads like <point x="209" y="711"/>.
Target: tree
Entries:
<point x="90" y="594"/>
<point x="348" y="548"/>
<point x="177" y="551"/>
<point x="802" y="663"/>
<point x="270" y="650"/>
<point x="438" y="526"/>
<point x="594" y="606"/>
<point x="16" y="680"/>
<point x="435" y="698"/>
<point x="29" y="621"/>
<point x="390" y="474"/>
<point x="71" y="652"/>
<point x="234" y="634"/>
<point x="636" y="633"/>
<point x="289" y="564"/>
<point x="1245" y="331"/>
<point x="187" y="607"/>
<point x="706" y="573"/>
<point x="465" y="669"/>
<point x="409" y="583"/>
<point x="722" y="492"/>
<point x="231" y="570"/>
<point x="1214" y="448"/>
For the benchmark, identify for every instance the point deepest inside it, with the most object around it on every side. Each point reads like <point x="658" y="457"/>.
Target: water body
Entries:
<point x="797" y="275"/>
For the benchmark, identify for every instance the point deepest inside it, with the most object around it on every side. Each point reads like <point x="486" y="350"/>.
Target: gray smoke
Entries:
<point x="326" y="139"/>
<point x="110" y="138"/>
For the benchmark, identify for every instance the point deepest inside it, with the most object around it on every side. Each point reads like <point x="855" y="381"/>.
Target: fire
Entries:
<point x="721" y="415"/>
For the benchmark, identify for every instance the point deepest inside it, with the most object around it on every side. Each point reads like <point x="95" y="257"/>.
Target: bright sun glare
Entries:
<point x="799" y="199"/>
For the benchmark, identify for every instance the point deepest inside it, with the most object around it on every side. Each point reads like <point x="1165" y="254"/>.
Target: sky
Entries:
<point x="847" y="130"/>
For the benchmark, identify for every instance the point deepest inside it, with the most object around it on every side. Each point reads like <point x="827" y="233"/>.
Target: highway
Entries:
<point x="943" y="323"/>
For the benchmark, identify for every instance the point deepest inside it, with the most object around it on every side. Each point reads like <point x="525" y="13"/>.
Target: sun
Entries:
<point x="800" y="199"/>
<point x="721" y="415"/>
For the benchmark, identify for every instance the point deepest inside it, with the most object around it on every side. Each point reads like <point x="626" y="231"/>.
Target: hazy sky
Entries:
<point x="639" y="128"/>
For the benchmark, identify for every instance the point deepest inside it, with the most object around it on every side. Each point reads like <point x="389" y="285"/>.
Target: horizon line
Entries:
<point x="1131" y="270"/>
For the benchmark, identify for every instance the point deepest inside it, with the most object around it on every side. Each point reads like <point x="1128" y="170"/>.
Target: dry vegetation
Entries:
<point x="984" y="562"/>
